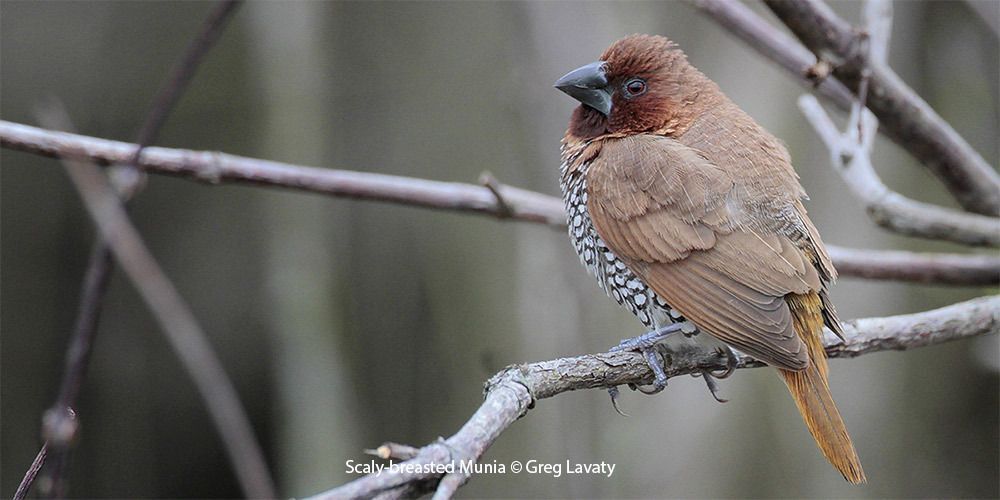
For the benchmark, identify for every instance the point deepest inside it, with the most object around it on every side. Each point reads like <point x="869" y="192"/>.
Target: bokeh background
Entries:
<point x="345" y="323"/>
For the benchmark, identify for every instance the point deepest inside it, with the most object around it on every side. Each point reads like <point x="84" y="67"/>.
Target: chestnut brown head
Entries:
<point x="640" y="84"/>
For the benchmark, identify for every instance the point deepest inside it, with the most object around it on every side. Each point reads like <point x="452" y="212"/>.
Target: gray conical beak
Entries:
<point x="589" y="85"/>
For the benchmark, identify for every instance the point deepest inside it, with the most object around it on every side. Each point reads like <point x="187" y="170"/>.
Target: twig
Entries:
<point x="179" y="325"/>
<point x="59" y="424"/>
<point x="181" y="74"/>
<point x="525" y="205"/>
<point x="915" y="125"/>
<point x="100" y="264"/>
<point x="988" y="11"/>
<point x="516" y="389"/>
<point x="503" y="209"/>
<point x="850" y="155"/>
<point x="774" y="44"/>
<point x="31" y="473"/>
<point x="887" y="208"/>
<point x="939" y="269"/>
<point x="389" y="450"/>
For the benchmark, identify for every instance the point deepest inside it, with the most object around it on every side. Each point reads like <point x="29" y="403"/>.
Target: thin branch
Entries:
<point x="528" y="206"/>
<point x="31" y="473"/>
<point x="215" y="168"/>
<point x="516" y="389"/>
<point x="59" y="422"/>
<point x="850" y="155"/>
<point x="397" y="451"/>
<point x="929" y="268"/>
<point x="183" y="72"/>
<point x="775" y="45"/>
<point x="915" y="125"/>
<point x="887" y="208"/>
<point x="179" y="325"/>
<point x="988" y="11"/>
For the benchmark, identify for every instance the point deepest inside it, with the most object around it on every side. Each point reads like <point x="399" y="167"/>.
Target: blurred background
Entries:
<point x="346" y="324"/>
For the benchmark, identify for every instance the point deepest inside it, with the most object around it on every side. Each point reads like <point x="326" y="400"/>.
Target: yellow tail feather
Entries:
<point x="812" y="395"/>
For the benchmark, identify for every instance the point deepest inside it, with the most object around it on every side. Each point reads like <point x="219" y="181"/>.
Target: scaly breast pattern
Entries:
<point x="613" y="276"/>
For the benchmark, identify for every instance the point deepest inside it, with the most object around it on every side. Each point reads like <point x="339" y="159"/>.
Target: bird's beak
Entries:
<point x="589" y="85"/>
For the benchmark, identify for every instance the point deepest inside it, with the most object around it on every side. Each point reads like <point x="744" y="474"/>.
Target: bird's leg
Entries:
<point x="711" y="375"/>
<point x="645" y="344"/>
<point x="648" y="339"/>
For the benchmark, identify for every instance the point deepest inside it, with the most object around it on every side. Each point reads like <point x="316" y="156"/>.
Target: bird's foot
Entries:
<point x="645" y="344"/>
<point x="648" y="339"/>
<point x="711" y="376"/>
<point x="655" y="363"/>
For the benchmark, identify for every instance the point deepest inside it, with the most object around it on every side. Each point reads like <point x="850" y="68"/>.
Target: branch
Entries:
<point x="888" y="208"/>
<point x="915" y="125"/>
<point x="60" y="423"/>
<point x="516" y="389"/>
<point x="929" y="268"/>
<point x="988" y="12"/>
<point x="775" y="45"/>
<point x="522" y="205"/>
<point x="179" y="325"/>
<point x="850" y="155"/>
<point x="31" y="473"/>
<point x="215" y="168"/>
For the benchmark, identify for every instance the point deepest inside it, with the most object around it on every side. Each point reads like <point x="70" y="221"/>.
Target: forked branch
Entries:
<point x="850" y="155"/>
<point x="515" y="390"/>
<point x="915" y="125"/>
<point x="905" y="117"/>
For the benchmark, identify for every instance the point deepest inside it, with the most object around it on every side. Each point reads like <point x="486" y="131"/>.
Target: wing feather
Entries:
<point x="677" y="222"/>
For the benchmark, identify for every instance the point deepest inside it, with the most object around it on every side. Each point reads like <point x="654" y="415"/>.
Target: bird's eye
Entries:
<point x="634" y="87"/>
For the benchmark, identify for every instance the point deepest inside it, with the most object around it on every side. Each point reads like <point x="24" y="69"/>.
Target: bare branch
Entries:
<point x="784" y="50"/>
<point x="850" y="155"/>
<point x="524" y="205"/>
<point x="988" y="11"/>
<point x="945" y="155"/>
<point x="398" y="451"/>
<point x="60" y="424"/>
<point x="214" y="168"/>
<point x="183" y="72"/>
<point x="31" y="473"/>
<point x="915" y="125"/>
<point x="516" y="389"/>
<point x="887" y="208"/>
<point x="877" y="17"/>
<point x="941" y="269"/>
<point x="179" y="325"/>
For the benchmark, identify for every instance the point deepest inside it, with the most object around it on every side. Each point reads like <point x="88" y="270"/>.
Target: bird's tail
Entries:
<point x="812" y="395"/>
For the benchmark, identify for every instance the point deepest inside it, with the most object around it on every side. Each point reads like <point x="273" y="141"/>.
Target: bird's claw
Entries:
<point x="659" y="379"/>
<point x="731" y="360"/>
<point x="713" y="386"/>
<point x="613" y="392"/>
<point x="645" y="344"/>
<point x="711" y="376"/>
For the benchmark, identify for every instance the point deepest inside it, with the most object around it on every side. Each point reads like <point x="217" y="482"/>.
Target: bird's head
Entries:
<point x="641" y="83"/>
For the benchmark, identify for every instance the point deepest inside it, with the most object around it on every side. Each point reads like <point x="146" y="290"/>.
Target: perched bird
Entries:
<point x="690" y="216"/>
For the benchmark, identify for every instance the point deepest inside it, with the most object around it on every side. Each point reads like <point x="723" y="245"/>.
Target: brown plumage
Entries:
<point x="668" y="179"/>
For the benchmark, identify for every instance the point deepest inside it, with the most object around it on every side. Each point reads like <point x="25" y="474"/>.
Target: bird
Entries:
<point x="691" y="216"/>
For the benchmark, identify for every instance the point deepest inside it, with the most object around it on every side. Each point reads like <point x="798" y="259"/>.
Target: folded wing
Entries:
<point x="680" y="223"/>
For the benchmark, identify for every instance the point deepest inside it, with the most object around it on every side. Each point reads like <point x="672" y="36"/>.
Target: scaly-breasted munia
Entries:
<point x="690" y="215"/>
